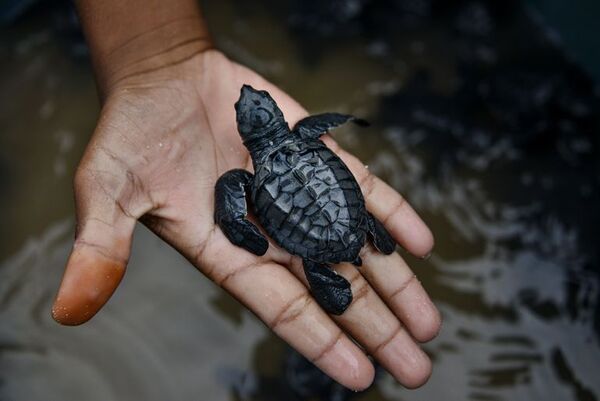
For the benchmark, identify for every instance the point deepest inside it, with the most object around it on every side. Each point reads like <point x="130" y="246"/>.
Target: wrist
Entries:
<point x="151" y="52"/>
<point x="129" y="41"/>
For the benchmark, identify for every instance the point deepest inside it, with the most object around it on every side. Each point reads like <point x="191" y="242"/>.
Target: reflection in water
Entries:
<point x="480" y="120"/>
<point x="158" y="339"/>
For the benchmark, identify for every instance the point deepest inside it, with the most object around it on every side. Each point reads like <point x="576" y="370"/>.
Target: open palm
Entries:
<point x="163" y="139"/>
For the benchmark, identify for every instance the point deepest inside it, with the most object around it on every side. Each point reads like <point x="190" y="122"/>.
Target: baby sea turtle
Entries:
<point x="303" y="195"/>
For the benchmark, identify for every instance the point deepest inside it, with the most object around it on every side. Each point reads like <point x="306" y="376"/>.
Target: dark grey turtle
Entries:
<point x="304" y="196"/>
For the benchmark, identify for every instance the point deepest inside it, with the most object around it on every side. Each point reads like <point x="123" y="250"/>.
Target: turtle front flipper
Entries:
<point x="331" y="290"/>
<point x="231" y="211"/>
<point x="313" y="127"/>
<point x="382" y="240"/>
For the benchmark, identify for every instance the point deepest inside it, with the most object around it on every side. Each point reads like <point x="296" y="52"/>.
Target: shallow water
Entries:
<point x="479" y="120"/>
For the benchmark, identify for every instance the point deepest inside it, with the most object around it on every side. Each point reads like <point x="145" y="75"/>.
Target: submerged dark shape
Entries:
<point x="303" y="195"/>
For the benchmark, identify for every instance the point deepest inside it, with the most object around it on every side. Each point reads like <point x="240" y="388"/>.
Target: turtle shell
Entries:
<point x="309" y="203"/>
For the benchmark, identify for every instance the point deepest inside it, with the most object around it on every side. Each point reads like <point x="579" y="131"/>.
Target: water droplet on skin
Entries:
<point x="366" y="166"/>
<point x="147" y="146"/>
<point x="160" y="144"/>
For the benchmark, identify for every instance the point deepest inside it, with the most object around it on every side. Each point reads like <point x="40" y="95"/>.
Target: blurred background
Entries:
<point x="485" y="116"/>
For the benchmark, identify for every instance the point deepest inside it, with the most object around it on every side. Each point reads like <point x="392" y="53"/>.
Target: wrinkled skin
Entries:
<point x="163" y="138"/>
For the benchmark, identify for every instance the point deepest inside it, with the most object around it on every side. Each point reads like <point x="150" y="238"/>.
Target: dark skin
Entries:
<point x="166" y="132"/>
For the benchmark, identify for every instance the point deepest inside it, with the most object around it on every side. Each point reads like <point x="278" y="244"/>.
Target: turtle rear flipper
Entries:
<point x="331" y="290"/>
<point x="231" y="211"/>
<point x="382" y="239"/>
<point x="313" y="127"/>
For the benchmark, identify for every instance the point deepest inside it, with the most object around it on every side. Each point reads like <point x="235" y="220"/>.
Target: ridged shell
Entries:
<point x="309" y="203"/>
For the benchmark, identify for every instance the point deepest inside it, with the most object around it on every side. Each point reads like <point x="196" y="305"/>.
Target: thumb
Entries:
<point x="97" y="261"/>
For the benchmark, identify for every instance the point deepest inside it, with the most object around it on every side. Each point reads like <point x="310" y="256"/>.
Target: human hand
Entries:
<point x="164" y="136"/>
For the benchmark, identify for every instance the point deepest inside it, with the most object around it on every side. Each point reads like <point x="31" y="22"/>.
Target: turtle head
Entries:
<point x="256" y="113"/>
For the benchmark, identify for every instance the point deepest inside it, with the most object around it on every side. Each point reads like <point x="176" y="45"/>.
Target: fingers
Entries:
<point x="388" y="206"/>
<point x="389" y="275"/>
<point x="373" y="325"/>
<point x="400" y="289"/>
<point x="99" y="256"/>
<point x="284" y="304"/>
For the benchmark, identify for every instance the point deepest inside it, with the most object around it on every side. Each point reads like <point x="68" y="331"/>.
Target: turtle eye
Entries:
<point x="256" y="102"/>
